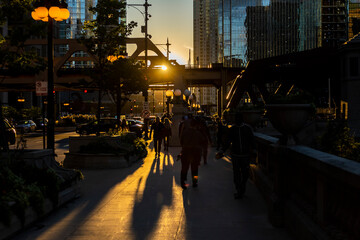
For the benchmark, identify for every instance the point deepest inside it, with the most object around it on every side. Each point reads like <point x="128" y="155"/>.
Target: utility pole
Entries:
<point x="167" y="44"/>
<point x="146" y="5"/>
<point x="144" y="29"/>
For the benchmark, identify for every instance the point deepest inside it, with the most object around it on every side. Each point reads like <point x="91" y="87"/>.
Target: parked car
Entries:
<point x="25" y="126"/>
<point x="10" y="132"/>
<point x="92" y="127"/>
<point x="135" y="126"/>
<point x="40" y="123"/>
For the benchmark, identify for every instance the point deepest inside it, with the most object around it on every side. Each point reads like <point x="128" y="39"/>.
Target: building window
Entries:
<point x="354" y="66"/>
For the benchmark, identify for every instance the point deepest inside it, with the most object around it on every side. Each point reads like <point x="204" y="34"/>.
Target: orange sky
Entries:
<point x="171" y="19"/>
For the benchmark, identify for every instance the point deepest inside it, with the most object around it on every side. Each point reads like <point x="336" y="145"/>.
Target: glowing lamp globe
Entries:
<point x="54" y="12"/>
<point x="42" y="12"/>
<point x="187" y="92"/>
<point x="64" y="13"/>
<point x="35" y="16"/>
<point x="45" y="19"/>
<point x="169" y="93"/>
<point x="177" y="92"/>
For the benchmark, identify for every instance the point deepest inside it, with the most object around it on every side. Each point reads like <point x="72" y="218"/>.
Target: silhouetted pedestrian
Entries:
<point x="240" y="139"/>
<point x="146" y="128"/>
<point x="157" y="127"/>
<point x="124" y="125"/>
<point x="205" y="131"/>
<point x="167" y="133"/>
<point x="191" y="139"/>
<point x="219" y="133"/>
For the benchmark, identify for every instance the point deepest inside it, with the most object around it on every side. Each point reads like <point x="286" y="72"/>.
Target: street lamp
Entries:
<point x="177" y="94"/>
<point x="187" y="94"/>
<point x="47" y="11"/>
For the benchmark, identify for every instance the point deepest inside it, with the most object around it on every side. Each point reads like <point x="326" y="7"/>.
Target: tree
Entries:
<point x="105" y="37"/>
<point x="14" y="60"/>
<point x="127" y="78"/>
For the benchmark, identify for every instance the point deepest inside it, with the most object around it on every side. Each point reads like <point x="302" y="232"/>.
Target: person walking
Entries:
<point x="191" y="139"/>
<point x="146" y="128"/>
<point x="240" y="139"/>
<point x="157" y="127"/>
<point x="167" y="133"/>
<point x="124" y="125"/>
<point x="219" y="133"/>
<point x="205" y="131"/>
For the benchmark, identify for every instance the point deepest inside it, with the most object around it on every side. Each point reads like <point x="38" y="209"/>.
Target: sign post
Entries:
<point x="145" y="113"/>
<point x="41" y="88"/>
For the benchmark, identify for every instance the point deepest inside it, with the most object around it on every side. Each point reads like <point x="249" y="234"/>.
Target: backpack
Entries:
<point x="242" y="140"/>
<point x="191" y="137"/>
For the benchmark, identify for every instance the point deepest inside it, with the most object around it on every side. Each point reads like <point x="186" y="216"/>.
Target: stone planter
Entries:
<point x="122" y="157"/>
<point x="96" y="161"/>
<point x="288" y="119"/>
<point x="42" y="159"/>
<point x="252" y="117"/>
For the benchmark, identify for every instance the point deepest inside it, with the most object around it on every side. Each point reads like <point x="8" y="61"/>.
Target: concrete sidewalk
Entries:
<point x="146" y="201"/>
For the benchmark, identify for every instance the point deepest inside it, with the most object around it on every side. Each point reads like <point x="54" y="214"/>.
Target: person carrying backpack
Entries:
<point x="240" y="139"/>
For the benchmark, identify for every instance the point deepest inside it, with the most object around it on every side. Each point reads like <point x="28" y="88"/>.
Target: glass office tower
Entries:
<point x="72" y="27"/>
<point x="256" y="29"/>
<point x="205" y="32"/>
<point x="354" y="18"/>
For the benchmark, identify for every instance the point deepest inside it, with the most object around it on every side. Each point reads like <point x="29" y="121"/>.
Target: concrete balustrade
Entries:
<point x="315" y="194"/>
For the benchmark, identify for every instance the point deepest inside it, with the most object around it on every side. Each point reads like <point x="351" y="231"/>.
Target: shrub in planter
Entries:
<point x="22" y="186"/>
<point x="101" y="146"/>
<point x="140" y="147"/>
<point x="339" y="140"/>
<point x="66" y="121"/>
<point x="83" y="118"/>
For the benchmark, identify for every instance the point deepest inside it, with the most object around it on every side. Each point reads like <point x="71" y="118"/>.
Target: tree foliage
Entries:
<point x="125" y="78"/>
<point x="339" y="140"/>
<point x="105" y="37"/>
<point x="14" y="59"/>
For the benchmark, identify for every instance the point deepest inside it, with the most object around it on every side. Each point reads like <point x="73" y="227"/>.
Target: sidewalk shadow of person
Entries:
<point x="156" y="195"/>
<point x="206" y="208"/>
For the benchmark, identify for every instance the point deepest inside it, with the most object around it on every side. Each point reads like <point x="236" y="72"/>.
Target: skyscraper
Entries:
<point x="244" y="30"/>
<point x="205" y="32"/>
<point x="254" y="29"/>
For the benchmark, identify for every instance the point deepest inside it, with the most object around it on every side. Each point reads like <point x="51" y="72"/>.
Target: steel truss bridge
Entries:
<point x="176" y="76"/>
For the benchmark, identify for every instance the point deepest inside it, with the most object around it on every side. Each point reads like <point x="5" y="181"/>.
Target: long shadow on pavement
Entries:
<point x="156" y="195"/>
<point x="64" y="221"/>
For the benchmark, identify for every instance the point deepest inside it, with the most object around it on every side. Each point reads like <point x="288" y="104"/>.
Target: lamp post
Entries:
<point x="177" y="94"/>
<point x="187" y="94"/>
<point x="48" y="11"/>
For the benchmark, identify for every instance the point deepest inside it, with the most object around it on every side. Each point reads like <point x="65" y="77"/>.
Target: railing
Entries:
<point x="315" y="194"/>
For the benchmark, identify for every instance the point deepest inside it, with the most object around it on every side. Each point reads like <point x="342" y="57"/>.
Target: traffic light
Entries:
<point x="85" y="90"/>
